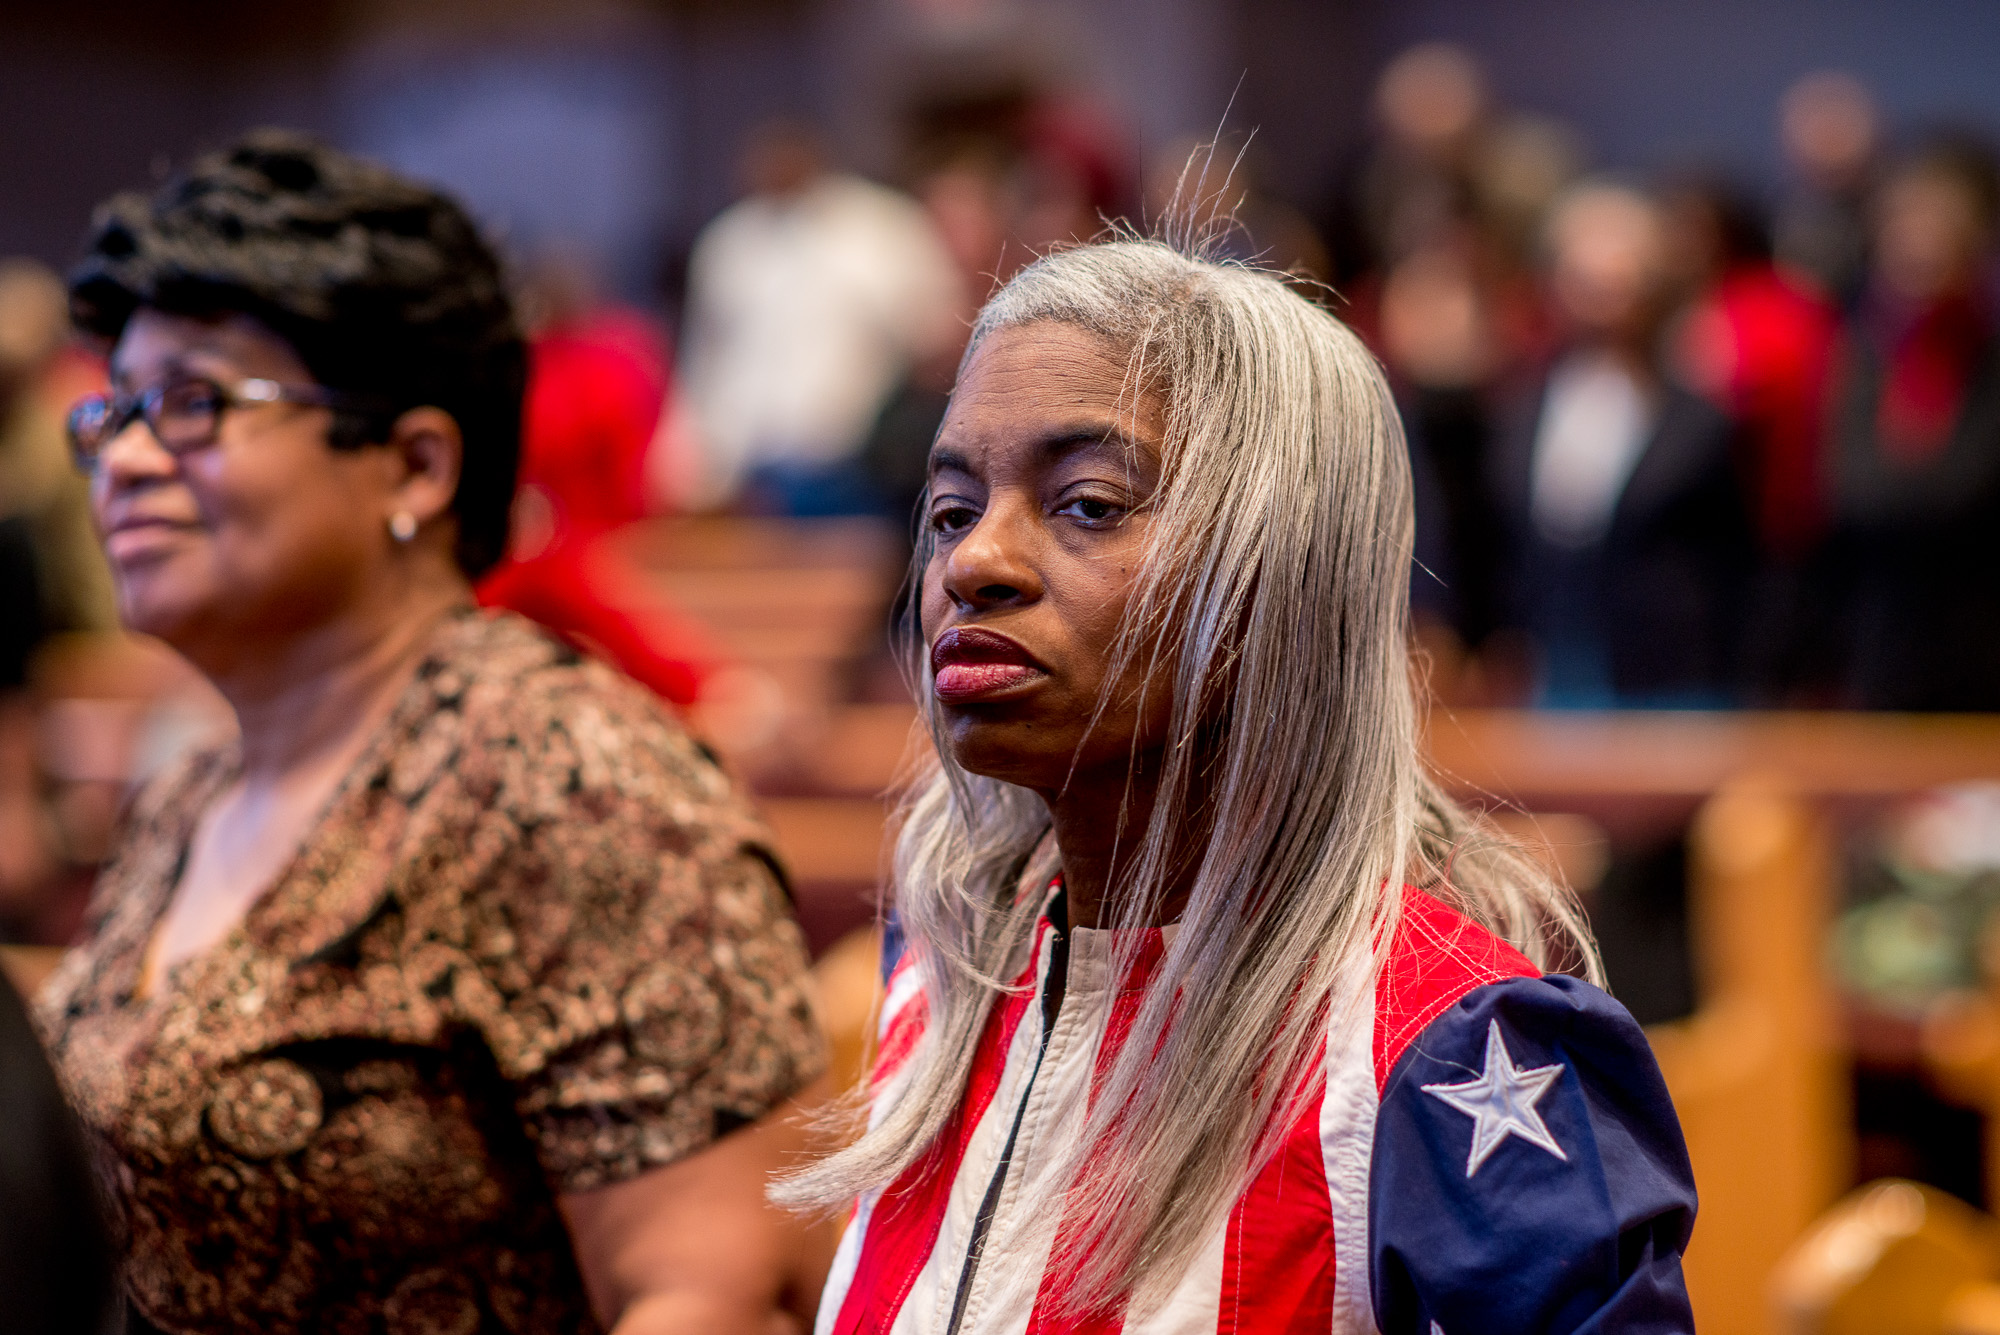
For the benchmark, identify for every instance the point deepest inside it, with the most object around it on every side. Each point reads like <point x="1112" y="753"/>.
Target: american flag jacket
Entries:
<point x="1484" y="1150"/>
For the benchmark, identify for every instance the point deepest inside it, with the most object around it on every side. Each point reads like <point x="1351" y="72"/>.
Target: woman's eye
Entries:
<point x="952" y="518"/>
<point x="1094" y="509"/>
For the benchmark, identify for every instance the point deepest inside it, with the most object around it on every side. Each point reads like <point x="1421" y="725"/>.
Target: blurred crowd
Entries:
<point x="1687" y="441"/>
<point x="1684" y="441"/>
<point x="1687" y="444"/>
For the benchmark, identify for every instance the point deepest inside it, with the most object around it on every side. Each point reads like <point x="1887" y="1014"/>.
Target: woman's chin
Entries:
<point x="166" y="613"/>
<point x="1006" y="750"/>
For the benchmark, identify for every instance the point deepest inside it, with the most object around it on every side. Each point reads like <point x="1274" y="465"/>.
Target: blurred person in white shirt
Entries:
<point x="808" y="300"/>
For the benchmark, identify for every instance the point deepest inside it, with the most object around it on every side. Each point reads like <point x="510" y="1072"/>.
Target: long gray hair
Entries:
<point x="1273" y="606"/>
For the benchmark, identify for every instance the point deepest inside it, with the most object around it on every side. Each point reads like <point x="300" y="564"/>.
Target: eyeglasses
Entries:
<point x="184" y="415"/>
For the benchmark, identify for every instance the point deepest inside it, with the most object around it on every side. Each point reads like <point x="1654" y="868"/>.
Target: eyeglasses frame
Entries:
<point x="124" y="409"/>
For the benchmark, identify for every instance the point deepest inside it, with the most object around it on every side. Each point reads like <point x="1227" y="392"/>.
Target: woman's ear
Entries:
<point x="431" y="449"/>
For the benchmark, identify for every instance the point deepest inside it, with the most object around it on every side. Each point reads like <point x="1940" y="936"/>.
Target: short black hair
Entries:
<point x="383" y="286"/>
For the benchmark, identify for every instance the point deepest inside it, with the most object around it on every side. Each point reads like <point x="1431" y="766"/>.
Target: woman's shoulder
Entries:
<point x="1446" y="981"/>
<point x="1436" y="956"/>
<point x="530" y="706"/>
<point x="1523" y="1143"/>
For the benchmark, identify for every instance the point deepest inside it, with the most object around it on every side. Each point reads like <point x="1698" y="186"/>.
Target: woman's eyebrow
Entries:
<point x="943" y="460"/>
<point x="176" y="365"/>
<point x="1054" y="446"/>
<point x="1074" y="440"/>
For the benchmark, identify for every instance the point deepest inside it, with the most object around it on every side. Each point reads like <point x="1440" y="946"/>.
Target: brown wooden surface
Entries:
<point x="1544" y="760"/>
<point x="731" y="543"/>
<point x="1758" y="1074"/>
<point x="830" y="838"/>
<point x="1533" y="756"/>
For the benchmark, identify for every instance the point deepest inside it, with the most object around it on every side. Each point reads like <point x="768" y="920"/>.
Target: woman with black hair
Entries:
<point x="459" y="993"/>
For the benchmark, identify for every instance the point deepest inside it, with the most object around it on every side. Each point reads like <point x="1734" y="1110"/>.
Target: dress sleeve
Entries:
<point x="1529" y="1173"/>
<point x="647" y="992"/>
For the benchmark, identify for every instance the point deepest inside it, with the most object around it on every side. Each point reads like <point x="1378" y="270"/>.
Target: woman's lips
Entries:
<point x="133" y="540"/>
<point x="964" y="683"/>
<point x="969" y="665"/>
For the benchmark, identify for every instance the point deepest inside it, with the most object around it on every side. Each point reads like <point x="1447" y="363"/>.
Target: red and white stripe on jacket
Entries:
<point x="1293" y="1253"/>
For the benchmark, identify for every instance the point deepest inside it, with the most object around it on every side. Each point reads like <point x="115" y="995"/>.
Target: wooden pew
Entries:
<point x="836" y="851"/>
<point x="1961" y="1050"/>
<point x="801" y="599"/>
<point x="28" y="967"/>
<point x="1893" y="1258"/>
<point x="1569" y="761"/>
<point x="1758" y="1074"/>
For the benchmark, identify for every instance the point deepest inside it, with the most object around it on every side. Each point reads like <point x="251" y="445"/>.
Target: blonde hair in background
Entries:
<point x="1274" y="608"/>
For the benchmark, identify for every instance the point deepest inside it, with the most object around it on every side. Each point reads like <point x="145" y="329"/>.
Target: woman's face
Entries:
<point x="265" y="531"/>
<point x="1928" y="237"/>
<point x="1039" y="484"/>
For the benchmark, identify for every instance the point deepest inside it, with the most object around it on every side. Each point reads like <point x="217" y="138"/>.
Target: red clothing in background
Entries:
<point x="1761" y="346"/>
<point x="1932" y="357"/>
<point x="597" y="389"/>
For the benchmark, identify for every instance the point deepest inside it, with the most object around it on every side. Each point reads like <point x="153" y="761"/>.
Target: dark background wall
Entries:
<point x="612" y="125"/>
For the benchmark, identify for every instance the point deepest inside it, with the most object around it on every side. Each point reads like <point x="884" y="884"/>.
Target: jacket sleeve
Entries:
<point x="1529" y="1173"/>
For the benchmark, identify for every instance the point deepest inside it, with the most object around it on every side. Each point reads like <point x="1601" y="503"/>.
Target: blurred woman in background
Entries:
<point x="1629" y="536"/>
<point x="1174" y="1045"/>
<point x="1916" y="441"/>
<point x="460" y="993"/>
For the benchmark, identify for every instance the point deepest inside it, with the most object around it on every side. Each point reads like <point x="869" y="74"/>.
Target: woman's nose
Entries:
<point x="134" y="455"/>
<point x="132" y="458"/>
<point x="993" y="563"/>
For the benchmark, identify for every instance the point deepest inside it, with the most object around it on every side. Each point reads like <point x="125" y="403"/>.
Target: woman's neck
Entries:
<point x="1100" y="827"/>
<point x="312" y="693"/>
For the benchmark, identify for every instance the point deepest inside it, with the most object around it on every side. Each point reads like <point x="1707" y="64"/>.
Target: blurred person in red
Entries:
<point x="1077" y="177"/>
<point x="1758" y="341"/>
<point x="1831" y="133"/>
<point x="1629" y="536"/>
<point x="1916" y="433"/>
<point x="594" y="427"/>
<point x="808" y="301"/>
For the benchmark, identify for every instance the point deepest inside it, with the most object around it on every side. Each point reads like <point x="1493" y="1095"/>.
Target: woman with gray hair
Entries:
<point x="1216" y="1014"/>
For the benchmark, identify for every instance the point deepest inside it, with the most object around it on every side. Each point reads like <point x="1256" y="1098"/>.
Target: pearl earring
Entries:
<point x="402" y="526"/>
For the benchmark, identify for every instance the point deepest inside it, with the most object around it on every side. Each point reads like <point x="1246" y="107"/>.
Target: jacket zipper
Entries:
<point x="989" y="1204"/>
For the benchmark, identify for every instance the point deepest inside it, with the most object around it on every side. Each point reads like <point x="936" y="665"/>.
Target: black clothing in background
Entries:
<point x="1920" y="547"/>
<point x="56" y="1266"/>
<point x="1661" y="594"/>
<point x="1825" y="236"/>
<point x="23" y="624"/>
<point x="1459" y="537"/>
<point x="1639" y="915"/>
<point x="897" y="453"/>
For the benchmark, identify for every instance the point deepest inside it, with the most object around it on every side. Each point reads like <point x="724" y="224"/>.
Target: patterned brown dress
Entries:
<point x="535" y="945"/>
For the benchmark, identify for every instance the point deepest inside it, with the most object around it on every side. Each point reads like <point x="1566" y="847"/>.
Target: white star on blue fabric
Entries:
<point x="1501" y="1102"/>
